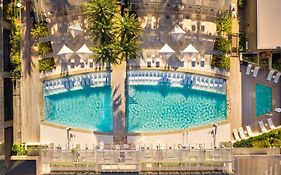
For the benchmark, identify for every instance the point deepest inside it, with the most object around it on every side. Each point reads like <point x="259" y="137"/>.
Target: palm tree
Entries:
<point x="101" y="14"/>
<point x="128" y="28"/>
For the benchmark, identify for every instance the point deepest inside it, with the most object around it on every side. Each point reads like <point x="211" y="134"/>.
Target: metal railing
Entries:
<point x="144" y="160"/>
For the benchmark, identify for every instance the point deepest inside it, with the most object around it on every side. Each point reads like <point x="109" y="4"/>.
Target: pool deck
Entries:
<point x="249" y="97"/>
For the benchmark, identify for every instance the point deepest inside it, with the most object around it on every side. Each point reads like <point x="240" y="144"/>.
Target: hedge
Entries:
<point x="224" y="23"/>
<point x="40" y="30"/>
<point x="44" y="48"/>
<point x="222" y="45"/>
<point x="46" y="64"/>
<point x="242" y="3"/>
<point x="266" y="140"/>
<point x="242" y="42"/>
<point x="15" y="40"/>
<point x="18" y="149"/>
<point x="221" y="61"/>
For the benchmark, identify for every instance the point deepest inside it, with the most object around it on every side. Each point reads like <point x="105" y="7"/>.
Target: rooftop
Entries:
<point x="268" y="24"/>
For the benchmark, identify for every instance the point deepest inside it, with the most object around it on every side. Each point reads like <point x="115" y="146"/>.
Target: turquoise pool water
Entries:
<point x="88" y="108"/>
<point x="263" y="99"/>
<point x="162" y="107"/>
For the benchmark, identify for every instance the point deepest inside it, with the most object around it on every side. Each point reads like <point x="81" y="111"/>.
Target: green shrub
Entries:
<point x="18" y="149"/>
<point x="276" y="66"/>
<point x="44" y="48"/>
<point x="46" y="64"/>
<point x="242" y="42"/>
<point x="242" y="3"/>
<point x="224" y="23"/>
<point x="221" y="61"/>
<point x="40" y="30"/>
<point x="270" y="139"/>
<point x="222" y="45"/>
<point x="15" y="41"/>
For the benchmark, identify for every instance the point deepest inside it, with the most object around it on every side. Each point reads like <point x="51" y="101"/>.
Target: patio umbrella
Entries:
<point x="177" y="32"/>
<point x="65" y="51"/>
<point x="75" y="30"/>
<point x="190" y="49"/>
<point x="84" y="52"/>
<point x="166" y="51"/>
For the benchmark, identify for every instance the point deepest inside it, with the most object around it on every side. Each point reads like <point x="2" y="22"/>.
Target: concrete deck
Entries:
<point x="192" y="138"/>
<point x="58" y="136"/>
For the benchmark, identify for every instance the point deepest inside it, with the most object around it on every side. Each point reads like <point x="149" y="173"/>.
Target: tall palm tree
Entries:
<point x="128" y="28"/>
<point x="101" y="14"/>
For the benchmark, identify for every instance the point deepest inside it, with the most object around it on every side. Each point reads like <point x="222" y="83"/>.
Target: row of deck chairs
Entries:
<point x="271" y="76"/>
<point x="241" y="134"/>
<point x="250" y="70"/>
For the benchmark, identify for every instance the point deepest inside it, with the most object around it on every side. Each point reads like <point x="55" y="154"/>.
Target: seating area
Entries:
<point x="177" y="79"/>
<point x="76" y="82"/>
<point x="271" y="76"/>
<point x="242" y="134"/>
<point x="254" y="70"/>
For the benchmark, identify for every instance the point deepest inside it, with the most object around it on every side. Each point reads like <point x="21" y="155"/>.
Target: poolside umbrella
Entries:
<point x="190" y="49"/>
<point x="166" y="51"/>
<point x="75" y="30"/>
<point x="177" y="32"/>
<point x="65" y="51"/>
<point x="84" y="52"/>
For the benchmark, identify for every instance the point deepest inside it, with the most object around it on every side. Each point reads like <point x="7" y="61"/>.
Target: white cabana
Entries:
<point x="177" y="32"/>
<point x="75" y="30"/>
<point x="65" y="51"/>
<point x="84" y="52"/>
<point x="190" y="49"/>
<point x="166" y="51"/>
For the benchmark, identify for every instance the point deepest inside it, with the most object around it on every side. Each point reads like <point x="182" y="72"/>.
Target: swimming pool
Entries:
<point x="162" y="107"/>
<point x="263" y="99"/>
<point x="78" y="103"/>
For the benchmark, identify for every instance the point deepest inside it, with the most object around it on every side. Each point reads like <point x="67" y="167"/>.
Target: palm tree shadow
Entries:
<point x="27" y="43"/>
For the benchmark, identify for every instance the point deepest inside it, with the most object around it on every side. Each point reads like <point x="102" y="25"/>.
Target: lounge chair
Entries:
<point x="66" y="84"/>
<point x="248" y="70"/>
<point x="269" y="76"/>
<point x="249" y="131"/>
<point x="235" y="134"/>
<point x="270" y="123"/>
<point x="276" y="78"/>
<point x="262" y="127"/>
<point x="256" y="71"/>
<point x="277" y="109"/>
<point x="241" y="133"/>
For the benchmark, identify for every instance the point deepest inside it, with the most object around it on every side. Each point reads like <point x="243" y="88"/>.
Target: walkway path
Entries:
<point x="118" y="77"/>
<point x="27" y="123"/>
<point x="234" y="85"/>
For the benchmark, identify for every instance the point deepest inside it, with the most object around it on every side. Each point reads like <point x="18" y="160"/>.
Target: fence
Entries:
<point x="145" y="160"/>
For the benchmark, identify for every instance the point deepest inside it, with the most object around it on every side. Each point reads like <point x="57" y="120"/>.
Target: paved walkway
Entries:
<point x="234" y="99"/>
<point x="31" y="88"/>
<point x="118" y="77"/>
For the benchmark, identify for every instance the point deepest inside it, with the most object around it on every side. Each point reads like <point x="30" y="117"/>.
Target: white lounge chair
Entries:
<point x="276" y="78"/>
<point x="262" y="127"/>
<point x="235" y="134"/>
<point x="241" y="133"/>
<point x="277" y="109"/>
<point x="248" y="70"/>
<point x="269" y="75"/>
<point x="270" y="123"/>
<point x="249" y="131"/>
<point x="256" y="71"/>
